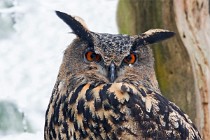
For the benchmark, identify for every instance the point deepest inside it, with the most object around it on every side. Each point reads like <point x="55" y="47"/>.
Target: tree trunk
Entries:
<point x="183" y="62"/>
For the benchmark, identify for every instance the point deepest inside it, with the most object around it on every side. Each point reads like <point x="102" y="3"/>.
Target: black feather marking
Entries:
<point x="166" y="116"/>
<point x="184" y="131"/>
<point x="119" y="131"/>
<point x="76" y="126"/>
<point x="56" y="112"/>
<point x="143" y="93"/>
<point x="95" y="119"/>
<point x="90" y="126"/>
<point x="74" y="135"/>
<point x="163" y="103"/>
<point x="91" y="138"/>
<point x="87" y="114"/>
<point x="83" y="134"/>
<point x="80" y="106"/>
<point x="75" y="95"/>
<point x="89" y="94"/>
<point x="71" y="115"/>
<point x="85" y="123"/>
<point x="96" y="128"/>
<point x="131" y="104"/>
<point x="124" y="88"/>
<point x="53" y="136"/>
<point x="97" y="104"/>
<point x="130" y="90"/>
<point x="65" y="107"/>
<point x="149" y="91"/>
<point x="114" y="137"/>
<point x="107" y="106"/>
<point x="65" y="130"/>
<point x="115" y="120"/>
<point x="113" y="101"/>
<point x="129" y="131"/>
<point x="53" y="133"/>
<point x="136" y="99"/>
<point x="76" y="26"/>
<point x="106" y="125"/>
<point x="103" y="93"/>
<point x="54" y="118"/>
<point x="59" y="136"/>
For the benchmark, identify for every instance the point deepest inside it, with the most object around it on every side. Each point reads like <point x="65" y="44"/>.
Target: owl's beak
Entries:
<point x="112" y="73"/>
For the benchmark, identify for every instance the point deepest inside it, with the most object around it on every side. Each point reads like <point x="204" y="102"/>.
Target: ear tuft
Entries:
<point x="81" y="21"/>
<point x="77" y="25"/>
<point x="153" y="35"/>
<point x="156" y="35"/>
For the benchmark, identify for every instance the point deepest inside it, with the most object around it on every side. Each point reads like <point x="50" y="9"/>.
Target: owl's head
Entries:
<point x="108" y="58"/>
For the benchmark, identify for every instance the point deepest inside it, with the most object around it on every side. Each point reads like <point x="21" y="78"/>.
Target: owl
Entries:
<point x="106" y="89"/>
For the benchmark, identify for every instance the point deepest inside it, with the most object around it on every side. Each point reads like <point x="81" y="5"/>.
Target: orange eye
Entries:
<point x="91" y="56"/>
<point x="130" y="59"/>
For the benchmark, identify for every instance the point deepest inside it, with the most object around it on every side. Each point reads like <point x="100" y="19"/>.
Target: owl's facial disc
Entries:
<point x="116" y="50"/>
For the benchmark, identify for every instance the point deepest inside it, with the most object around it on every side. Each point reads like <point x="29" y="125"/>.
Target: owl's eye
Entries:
<point x="92" y="56"/>
<point x="130" y="59"/>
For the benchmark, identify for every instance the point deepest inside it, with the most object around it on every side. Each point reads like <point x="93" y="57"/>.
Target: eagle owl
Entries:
<point x="107" y="89"/>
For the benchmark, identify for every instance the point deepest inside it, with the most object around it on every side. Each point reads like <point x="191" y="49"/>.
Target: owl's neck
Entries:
<point x="149" y="82"/>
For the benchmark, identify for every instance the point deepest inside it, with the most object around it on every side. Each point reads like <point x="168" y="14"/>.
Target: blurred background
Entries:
<point x="33" y="39"/>
<point x="32" y="42"/>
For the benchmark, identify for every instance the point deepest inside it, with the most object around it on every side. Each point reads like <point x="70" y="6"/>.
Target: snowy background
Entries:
<point x="32" y="41"/>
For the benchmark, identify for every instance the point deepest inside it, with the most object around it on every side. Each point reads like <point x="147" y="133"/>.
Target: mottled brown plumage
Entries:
<point x="107" y="89"/>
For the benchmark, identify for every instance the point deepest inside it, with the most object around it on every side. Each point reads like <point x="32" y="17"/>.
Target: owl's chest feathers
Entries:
<point x="113" y="111"/>
<point x="102" y="111"/>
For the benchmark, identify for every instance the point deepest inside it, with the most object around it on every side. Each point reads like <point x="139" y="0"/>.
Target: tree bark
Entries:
<point x="183" y="62"/>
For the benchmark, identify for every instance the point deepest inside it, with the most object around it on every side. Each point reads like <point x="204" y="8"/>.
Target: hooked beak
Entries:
<point x="112" y="73"/>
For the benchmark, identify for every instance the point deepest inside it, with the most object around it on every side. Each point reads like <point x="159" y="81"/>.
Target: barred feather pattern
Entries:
<point x="115" y="111"/>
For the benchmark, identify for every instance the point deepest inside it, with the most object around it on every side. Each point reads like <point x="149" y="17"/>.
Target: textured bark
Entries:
<point x="183" y="62"/>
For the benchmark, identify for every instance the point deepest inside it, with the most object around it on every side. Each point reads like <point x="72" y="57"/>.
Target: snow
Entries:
<point x="31" y="49"/>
